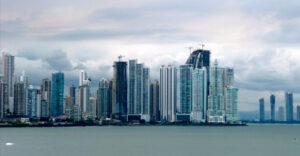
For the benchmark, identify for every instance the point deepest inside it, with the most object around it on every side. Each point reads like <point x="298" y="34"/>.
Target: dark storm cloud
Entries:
<point x="56" y="59"/>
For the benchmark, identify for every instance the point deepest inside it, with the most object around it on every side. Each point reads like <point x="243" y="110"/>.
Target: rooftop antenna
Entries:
<point x="120" y="57"/>
<point x="190" y="48"/>
<point x="202" y="46"/>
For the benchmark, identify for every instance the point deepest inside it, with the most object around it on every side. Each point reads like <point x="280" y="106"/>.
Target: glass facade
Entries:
<point x="272" y="102"/>
<point x="289" y="110"/>
<point x="261" y="110"/>
<point x="57" y="100"/>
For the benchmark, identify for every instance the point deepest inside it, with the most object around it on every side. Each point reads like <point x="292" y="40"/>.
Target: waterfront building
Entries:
<point x="82" y="77"/>
<point x="289" y="110"/>
<point x="103" y="99"/>
<point x="68" y="105"/>
<point x="199" y="95"/>
<point x="184" y="105"/>
<point x="168" y="93"/>
<point x="154" y="101"/>
<point x="232" y="104"/>
<point x="45" y="98"/>
<point x="72" y="93"/>
<point x="8" y="68"/>
<point x="272" y="102"/>
<point x="216" y="104"/>
<point x="4" y="104"/>
<point x="57" y="94"/>
<point x="119" y="90"/>
<point x="32" y="102"/>
<point x="298" y="113"/>
<point x="261" y="110"/>
<point x="138" y="91"/>
<point x="281" y="113"/>
<point x="19" y="99"/>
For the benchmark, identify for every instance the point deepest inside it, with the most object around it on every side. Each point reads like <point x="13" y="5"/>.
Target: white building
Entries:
<point x="167" y="92"/>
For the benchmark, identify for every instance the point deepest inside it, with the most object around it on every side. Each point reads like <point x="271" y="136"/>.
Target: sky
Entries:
<point x="259" y="39"/>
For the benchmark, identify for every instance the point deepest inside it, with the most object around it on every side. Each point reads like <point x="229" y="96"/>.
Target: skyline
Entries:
<point x="262" y="36"/>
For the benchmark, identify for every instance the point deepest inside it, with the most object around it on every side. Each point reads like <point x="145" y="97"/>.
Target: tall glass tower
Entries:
<point x="272" y="102"/>
<point x="184" y="93"/>
<point x="119" y="90"/>
<point x="57" y="100"/>
<point x="8" y="69"/>
<point x="261" y="110"/>
<point x="216" y="104"/>
<point x="289" y="110"/>
<point x="103" y="106"/>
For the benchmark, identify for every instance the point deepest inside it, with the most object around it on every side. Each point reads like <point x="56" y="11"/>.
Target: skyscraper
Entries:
<point x="261" y="110"/>
<point x="232" y="104"/>
<point x="103" y="99"/>
<point x="272" y="102"/>
<point x="184" y="93"/>
<point x="199" y="58"/>
<point x="32" y="102"/>
<point x="19" y="99"/>
<point x="298" y="113"/>
<point x="45" y="98"/>
<point x="119" y="90"/>
<point x="57" y="100"/>
<point x="154" y="101"/>
<point x="73" y="93"/>
<point x="199" y="95"/>
<point x="289" y="110"/>
<point x="82" y="77"/>
<point x="281" y="113"/>
<point x="3" y="99"/>
<point x="216" y="104"/>
<point x="8" y="68"/>
<point x="138" y="91"/>
<point x="168" y="93"/>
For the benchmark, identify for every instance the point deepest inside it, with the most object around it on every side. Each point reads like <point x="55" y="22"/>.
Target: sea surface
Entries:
<point x="252" y="140"/>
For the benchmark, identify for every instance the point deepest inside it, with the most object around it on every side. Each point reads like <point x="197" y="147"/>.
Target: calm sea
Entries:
<point x="254" y="140"/>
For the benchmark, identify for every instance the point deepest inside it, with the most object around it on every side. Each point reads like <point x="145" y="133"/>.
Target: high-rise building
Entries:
<point x="232" y="104"/>
<point x="68" y="106"/>
<point x="92" y="107"/>
<point x="216" y="104"/>
<point x="57" y="94"/>
<point x="281" y="113"/>
<point x="119" y="90"/>
<point x="4" y="107"/>
<point x="168" y="93"/>
<point x="8" y="68"/>
<point x="199" y="95"/>
<point x="154" y="101"/>
<point x="298" y="113"/>
<point x="32" y="102"/>
<point x="82" y="77"/>
<point x="199" y="58"/>
<point x="138" y="91"/>
<point x="45" y="98"/>
<point x="72" y="93"/>
<point x="184" y="104"/>
<point x="19" y="99"/>
<point x="272" y="102"/>
<point x="103" y="99"/>
<point x="289" y="110"/>
<point x="261" y="110"/>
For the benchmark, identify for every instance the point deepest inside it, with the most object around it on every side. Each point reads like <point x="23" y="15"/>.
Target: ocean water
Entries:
<point x="253" y="140"/>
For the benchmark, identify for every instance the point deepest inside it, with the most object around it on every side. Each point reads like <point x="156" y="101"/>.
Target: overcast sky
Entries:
<point x="259" y="39"/>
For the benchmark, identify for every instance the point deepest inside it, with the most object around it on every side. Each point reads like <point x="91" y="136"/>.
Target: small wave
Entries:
<point x="9" y="144"/>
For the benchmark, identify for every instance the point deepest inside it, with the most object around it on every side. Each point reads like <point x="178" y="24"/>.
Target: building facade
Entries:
<point x="281" y="113"/>
<point x="8" y="69"/>
<point x="57" y="94"/>
<point x="272" y="102"/>
<point x="4" y="104"/>
<point x="19" y="99"/>
<point x="216" y="104"/>
<point x="168" y="93"/>
<point x="289" y="110"/>
<point x="119" y="91"/>
<point x="103" y="105"/>
<point x="45" y="98"/>
<point x="154" y="101"/>
<point x="261" y="110"/>
<point x="232" y="104"/>
<point x="199" y="95"/>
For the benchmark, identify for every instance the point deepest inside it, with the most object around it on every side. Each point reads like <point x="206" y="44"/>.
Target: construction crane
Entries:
<point x="190" y="48"/>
